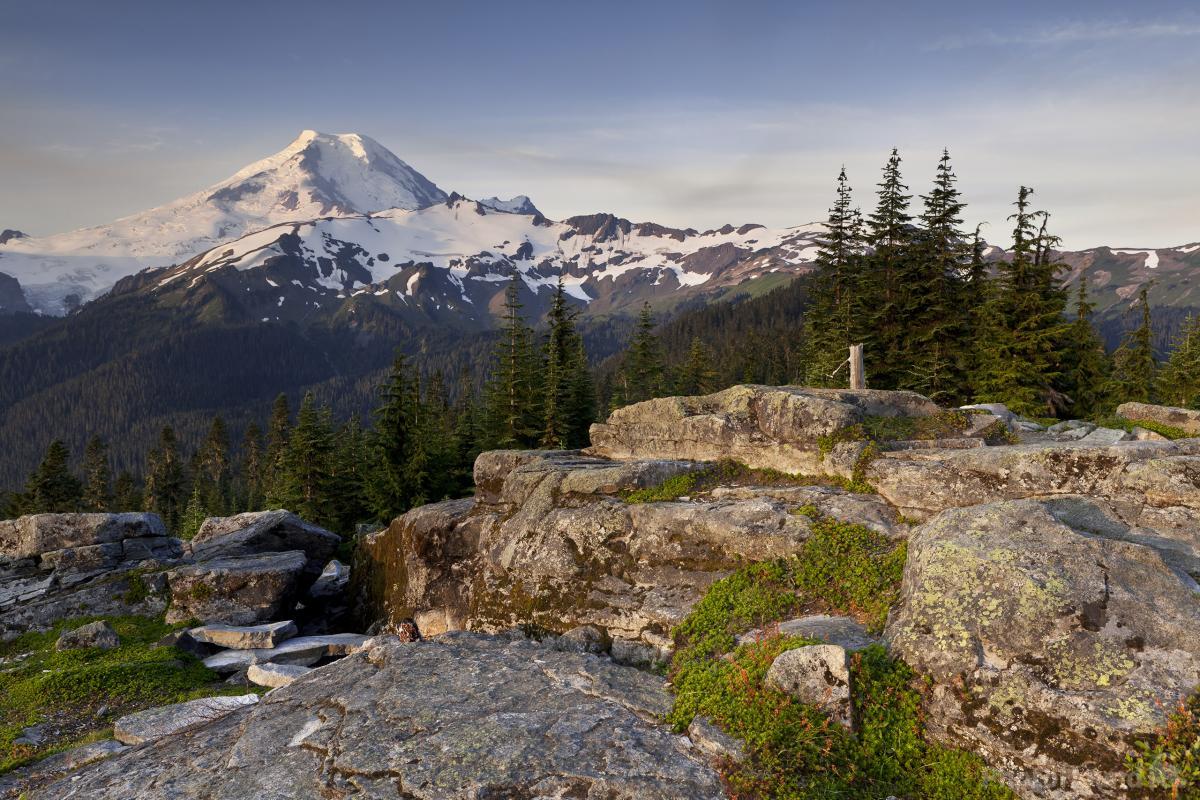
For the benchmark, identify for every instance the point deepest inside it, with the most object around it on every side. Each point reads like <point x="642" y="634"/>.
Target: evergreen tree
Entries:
<point x="393" y="441"/>
<point x="697" y="375"/>
<point x="642" y="371"/>
<point x="881" y="284"/>
<point x="52" y="488"/>
<point x="1179" y="380"/>
<point x="213" y="469"/>
<point x="127" y="495"/>
<point x="277" y="441"/>
<point x="513" y="407"/>
<point x="568" y="404"/>
<point x="165" y="480"/>
<point x="252" y="495"/>
<point x="307" y="473"/>
<point x="468" y="432"/>
<point x="194" y="513"/>
<point x="1087" y="365"/>
<point x="1134" y="366"/>
<point x="832" y="320"/>
<point x="97" y="476"/>
<point x="348" y="481"/>
<point x="1018" y="358"/>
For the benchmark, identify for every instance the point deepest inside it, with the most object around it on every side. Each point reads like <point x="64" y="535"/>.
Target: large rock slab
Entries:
<point x="300" y="651"/>
<point x="761" y="426"/>
<point x="258" y="532"/>
<point x="1186" y="419"/>
<point x="921" y="484"/>
<point x="456" y="717"/>
<point x="1054" y="639"/>
<point x="245" y="637"/>
<point x="243" y="590"/>
<point x="155" y="723"/>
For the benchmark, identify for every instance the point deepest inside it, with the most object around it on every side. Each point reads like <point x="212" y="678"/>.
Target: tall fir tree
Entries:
<point x="213" y="470"/>
<point x="642" y="368"/>
<point x="252" y="494"/>
<point x="833" y="319"/>
<point x="568" y="404"/>
<point x="1018" y="351"/>
<point x="1134" y="365"/>
<point x="1086" y="372"/>
<point x="881" y="281"/>
<point x="1179" y="379"/>
<point x="697" y="375"/>
<point x="194" y="513"/>
<point x="52" y="487"/>
<point x="97" y="476"/>
<point x="165" y="492"/>
<point x="278" y="428"/>
<point x="583" y="402"/>
<point x="307" y="473"/>
<point x="392" y="442"/>
<point x="512" y="394"/>
<point x="932" y="275"/>
<point x="348" y="479"/>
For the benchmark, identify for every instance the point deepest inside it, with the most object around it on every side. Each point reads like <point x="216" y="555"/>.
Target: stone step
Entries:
<point x="245" y="637"/>
<point x="275" y="675"/>
<point x="302" y="651"/>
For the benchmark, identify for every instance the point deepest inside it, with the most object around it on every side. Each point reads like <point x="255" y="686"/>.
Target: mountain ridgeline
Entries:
<point x="307" y="271"/>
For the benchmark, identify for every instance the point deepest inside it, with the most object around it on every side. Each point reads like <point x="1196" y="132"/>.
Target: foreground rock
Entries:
<point x="1055" y="638"/>
<point x="550" y="542"/>
<point x="94" y="634"/>
<point x="1186" y="419"/>
<point x="155" y="723"/>
<point x="760" y="426"/>
<point x="237" y="591"/>
<point x="817" y="675"/>
<point x="275" y="675"/>
<point x="460" y="716"/>
<point x="20" y="782"/>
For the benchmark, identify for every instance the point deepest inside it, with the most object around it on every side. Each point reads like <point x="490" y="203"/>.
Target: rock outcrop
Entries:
<point x="1185" y="419"/>
<point x="258" y="532"/>
<point x="54" y="566"/>
<point x="460" y="716"/>
<point x="243" y="590"/>
<point x="760" y="426"/>
<point x="549" y="541"/>
<point x="1053" y="644"/>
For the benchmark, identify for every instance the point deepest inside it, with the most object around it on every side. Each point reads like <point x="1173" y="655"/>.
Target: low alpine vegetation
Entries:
<point x="1170" y="762"/>
<point x="725" y="472"/>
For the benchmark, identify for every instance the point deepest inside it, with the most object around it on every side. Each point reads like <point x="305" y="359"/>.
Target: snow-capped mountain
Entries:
<point x="520" y="204"/>
<point x="455" y="257"/>
<point x="317" y="175"/>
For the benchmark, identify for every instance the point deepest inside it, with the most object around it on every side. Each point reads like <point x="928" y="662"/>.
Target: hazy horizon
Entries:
<point x="689" y="115"/>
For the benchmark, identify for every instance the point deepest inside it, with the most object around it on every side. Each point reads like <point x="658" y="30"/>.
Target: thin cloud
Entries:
<point x="1071" y="33"/>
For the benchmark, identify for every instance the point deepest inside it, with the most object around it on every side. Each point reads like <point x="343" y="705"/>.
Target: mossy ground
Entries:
<point x="75" y="695"/>
<point x="795" y="751"/>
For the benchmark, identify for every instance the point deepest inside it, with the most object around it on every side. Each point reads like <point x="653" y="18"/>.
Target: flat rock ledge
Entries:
<point x="463" y="715"/>
<point x="155" y="723"/>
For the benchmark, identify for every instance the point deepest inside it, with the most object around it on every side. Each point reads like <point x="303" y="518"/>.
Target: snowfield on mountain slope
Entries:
<point x="317" y="175"/>
<point x="465" y="238"/>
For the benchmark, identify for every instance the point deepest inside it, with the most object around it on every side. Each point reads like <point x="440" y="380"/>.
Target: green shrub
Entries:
<point x="1171" y="760"/>
<point x="726" y="471"/>
<point x="851" y="569"/>
<point x="1167" y="431"/>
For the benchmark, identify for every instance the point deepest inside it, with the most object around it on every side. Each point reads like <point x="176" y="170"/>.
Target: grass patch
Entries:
<point x="795" y="751"/>
<point x="1166" y="431"/>
<point x="76" y="694"/>
<point x="726" y="471"/>
<point x="1170" y="762"/>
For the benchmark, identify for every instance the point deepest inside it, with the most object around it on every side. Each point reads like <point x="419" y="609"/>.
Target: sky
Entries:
<point x="690" y="114"/>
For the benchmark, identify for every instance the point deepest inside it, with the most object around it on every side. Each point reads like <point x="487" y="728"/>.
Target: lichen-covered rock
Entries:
<point x="1185" y="419"/>
<point x="459" y="716"/>
<point x="36" y="534"/>
<point x="243" y="590"/>
<point x="1052" y="645"/>
<point x="258" y="532"/>
<point x="760" y="426"/>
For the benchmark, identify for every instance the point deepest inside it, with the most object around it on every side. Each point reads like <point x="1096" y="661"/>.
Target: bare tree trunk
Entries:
<point x="858" y="378"/>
